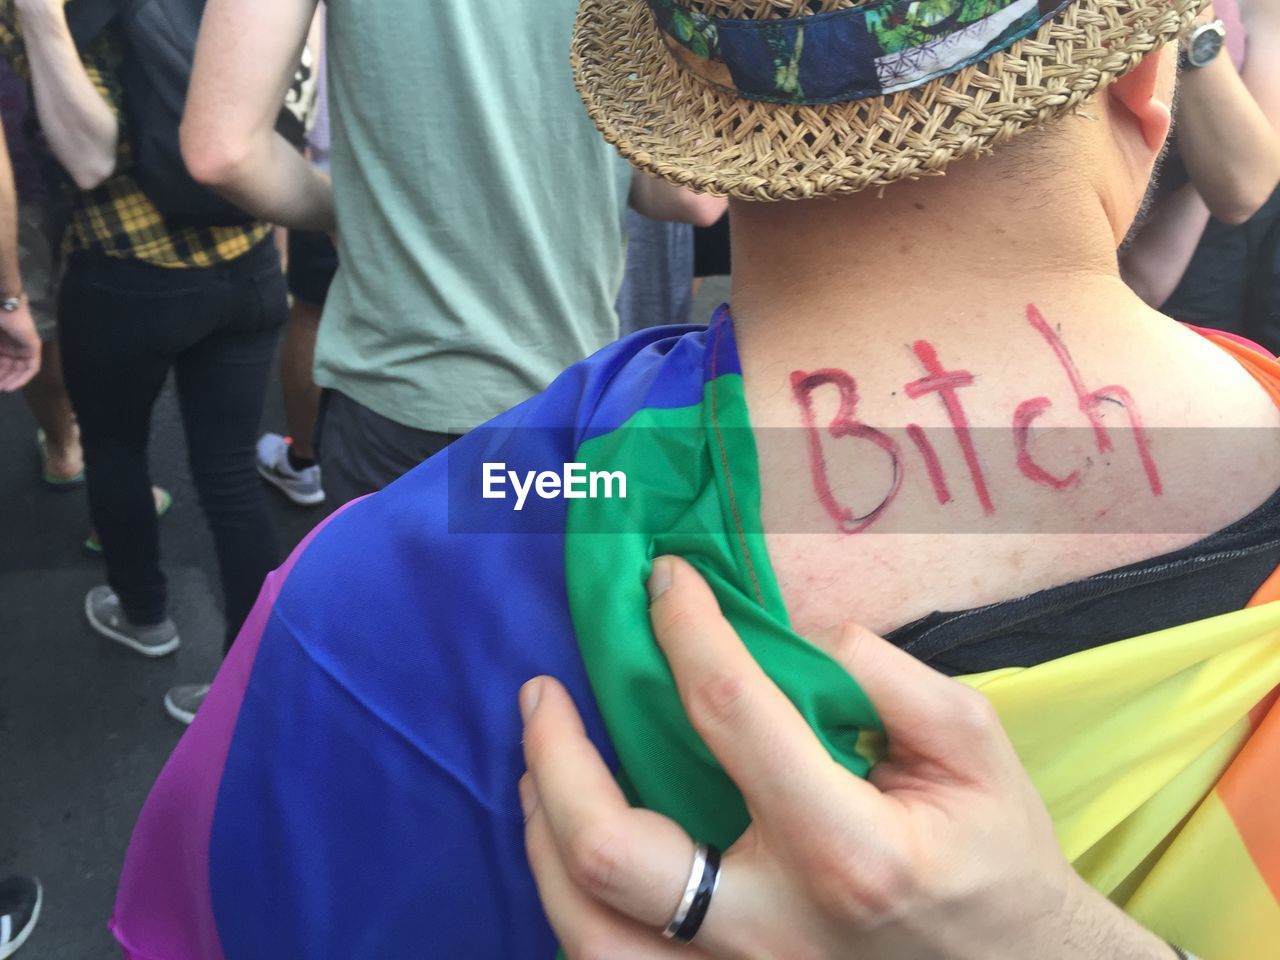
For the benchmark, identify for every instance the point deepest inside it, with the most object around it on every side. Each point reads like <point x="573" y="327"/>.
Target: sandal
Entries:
<point x="52" y="480"/>
<point x="163" y="501"/>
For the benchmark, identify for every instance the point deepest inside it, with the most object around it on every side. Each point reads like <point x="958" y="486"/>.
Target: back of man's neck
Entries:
<point x="1000" y="340"/>
<point x="931" y="247"/>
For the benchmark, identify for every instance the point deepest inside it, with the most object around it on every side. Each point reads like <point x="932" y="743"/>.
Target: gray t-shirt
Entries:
<point x="480" y="214"/>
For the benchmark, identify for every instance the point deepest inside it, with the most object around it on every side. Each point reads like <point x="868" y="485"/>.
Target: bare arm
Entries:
<point x="245" y="59"/>
<point x="10" y="275"/>
<point x="658" y="199"/>
<point x="1158" y="257"/>
<point x="19" y="345"/>
<point x="79" y="124"/>
<point x="1262" y="69"/>
<point x="1229" y="123"/>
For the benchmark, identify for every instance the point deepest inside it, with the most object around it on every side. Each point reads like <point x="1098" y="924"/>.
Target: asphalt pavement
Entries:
<point x="83" y="732"/>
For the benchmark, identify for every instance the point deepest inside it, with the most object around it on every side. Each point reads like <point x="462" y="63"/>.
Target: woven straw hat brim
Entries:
<point x="671" y="123"/>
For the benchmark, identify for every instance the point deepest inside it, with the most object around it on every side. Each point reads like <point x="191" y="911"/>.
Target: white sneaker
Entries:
<point x="20" y="900"/>
<point x="106" y="615"/>
<point x="183" y="701"/>
<point x="300" y="486"/>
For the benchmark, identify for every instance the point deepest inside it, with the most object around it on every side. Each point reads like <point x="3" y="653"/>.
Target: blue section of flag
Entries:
<point x="368" y="806"/>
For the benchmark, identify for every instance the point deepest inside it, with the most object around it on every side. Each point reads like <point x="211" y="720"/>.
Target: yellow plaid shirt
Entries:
<point x="117" y="218"/>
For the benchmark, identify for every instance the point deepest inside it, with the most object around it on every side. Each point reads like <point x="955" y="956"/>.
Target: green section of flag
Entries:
<point x="679" y="502"/>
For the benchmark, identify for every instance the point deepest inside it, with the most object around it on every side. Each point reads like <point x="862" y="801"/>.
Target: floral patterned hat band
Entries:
<point x="845" y="55"/>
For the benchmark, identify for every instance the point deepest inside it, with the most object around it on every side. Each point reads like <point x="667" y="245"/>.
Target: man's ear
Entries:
<point x="1140" y="97"/>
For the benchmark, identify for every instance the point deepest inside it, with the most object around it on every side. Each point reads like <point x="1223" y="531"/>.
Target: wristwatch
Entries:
<point x="10" y="304"/>
<point x="1202" y="46"/>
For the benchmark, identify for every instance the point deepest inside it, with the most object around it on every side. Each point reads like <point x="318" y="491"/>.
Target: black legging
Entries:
<point x="124" y="324"/>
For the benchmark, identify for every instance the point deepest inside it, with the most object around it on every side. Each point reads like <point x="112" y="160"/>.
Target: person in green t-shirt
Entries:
<point x="479" y="215"/>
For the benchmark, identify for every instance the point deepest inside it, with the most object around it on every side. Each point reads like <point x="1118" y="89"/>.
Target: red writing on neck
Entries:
<point x="1090" y="403"/>
<point x="844" y="424"/>
<point x="930" y="456"/>
<point x="947" y="383"/>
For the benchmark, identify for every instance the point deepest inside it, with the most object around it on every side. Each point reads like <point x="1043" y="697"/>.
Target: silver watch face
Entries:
<point x="1205" y="46"/>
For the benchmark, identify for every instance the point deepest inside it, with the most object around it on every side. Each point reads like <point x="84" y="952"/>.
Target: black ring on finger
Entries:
<point x="704" y="878"/>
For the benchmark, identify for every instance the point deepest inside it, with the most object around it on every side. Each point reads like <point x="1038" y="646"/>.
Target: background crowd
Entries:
<point x="408" y="244"/>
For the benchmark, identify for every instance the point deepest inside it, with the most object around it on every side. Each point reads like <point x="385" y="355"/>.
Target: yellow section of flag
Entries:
<point x="1126" y="743"/>
<point x="1227" y="911"/>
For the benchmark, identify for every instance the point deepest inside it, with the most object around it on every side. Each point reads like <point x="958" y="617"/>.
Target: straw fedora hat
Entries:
<point x="785" y="99"/>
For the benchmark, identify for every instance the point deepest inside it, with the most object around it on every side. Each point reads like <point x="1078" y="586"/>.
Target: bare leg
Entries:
<point x="301" y="395"/>
<point x="46" y="395"/>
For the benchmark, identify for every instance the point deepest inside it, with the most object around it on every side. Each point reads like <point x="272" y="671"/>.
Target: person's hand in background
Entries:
<point x="660" y="199"/>
<point x="19" y="348"/>
<point x="947" y="852"/>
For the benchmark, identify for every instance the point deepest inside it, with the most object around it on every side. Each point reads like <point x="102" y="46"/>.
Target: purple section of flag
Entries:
<point x="163" y="897"/>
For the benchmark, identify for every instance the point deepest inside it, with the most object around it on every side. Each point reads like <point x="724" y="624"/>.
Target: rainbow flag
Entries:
<point x="349" y="787"/>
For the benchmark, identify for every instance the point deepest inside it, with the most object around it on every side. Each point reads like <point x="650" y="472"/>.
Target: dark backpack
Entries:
<point x="160" y="38"/>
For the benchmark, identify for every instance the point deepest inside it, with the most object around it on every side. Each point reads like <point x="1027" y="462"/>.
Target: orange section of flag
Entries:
<point x="1250" y="791"/>
<point x="1269" y="592"/>
<point x="1262" y="366"/>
